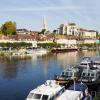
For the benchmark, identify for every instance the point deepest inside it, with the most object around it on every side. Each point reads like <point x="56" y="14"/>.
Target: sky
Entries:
<point x="29" y="13"/>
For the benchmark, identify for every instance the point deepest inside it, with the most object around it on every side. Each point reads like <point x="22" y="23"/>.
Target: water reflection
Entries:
<point x="67" y="59"/>
<point x="10" y="66"/>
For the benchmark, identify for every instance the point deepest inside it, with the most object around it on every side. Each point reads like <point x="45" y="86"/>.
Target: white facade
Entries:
<point x="72" y="30"/>
<point x="68" y="29"/>
<point x="89" y="41"/>
<point x="88" y="33"/>
<point x="67" y="42"/>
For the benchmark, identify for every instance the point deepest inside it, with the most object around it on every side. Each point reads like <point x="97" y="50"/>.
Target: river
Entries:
<point x="19" y="75"/>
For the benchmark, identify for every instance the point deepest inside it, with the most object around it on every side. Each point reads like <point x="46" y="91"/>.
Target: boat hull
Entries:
<point x="60" y="50"/>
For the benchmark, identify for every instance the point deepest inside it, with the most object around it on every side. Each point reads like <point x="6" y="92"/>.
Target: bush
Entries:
<point x="16" y="44"/>
<point x="48" y="45"/>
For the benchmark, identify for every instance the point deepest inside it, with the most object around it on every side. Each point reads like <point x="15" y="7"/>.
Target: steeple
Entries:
<point x="44" y="24"/>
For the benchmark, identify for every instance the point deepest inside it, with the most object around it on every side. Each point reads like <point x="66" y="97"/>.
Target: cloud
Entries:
<point x="57" y="8"/>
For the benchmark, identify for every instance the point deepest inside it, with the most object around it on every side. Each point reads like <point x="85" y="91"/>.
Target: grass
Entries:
<point x="96" y="98"/>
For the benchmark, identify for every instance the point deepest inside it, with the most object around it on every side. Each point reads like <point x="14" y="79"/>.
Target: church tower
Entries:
<point x="44" y="27"/>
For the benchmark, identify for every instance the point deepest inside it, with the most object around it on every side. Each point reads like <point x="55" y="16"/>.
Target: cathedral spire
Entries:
<point x="44" y="24"/>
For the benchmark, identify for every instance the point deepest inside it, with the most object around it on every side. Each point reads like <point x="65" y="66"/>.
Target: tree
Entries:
<point x="9" y="28"/>
<point x="43" y="31"/>
<point x="0" y="32"/>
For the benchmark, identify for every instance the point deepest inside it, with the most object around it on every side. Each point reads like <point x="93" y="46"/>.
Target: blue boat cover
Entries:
<point x="78" y="87"/>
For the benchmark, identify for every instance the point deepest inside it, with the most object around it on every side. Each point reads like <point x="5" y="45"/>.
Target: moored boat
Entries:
<point x="47" y="91"/>
<point x="67" y="76"/>
<point x="76" y="91"/>
<point x="88" y="62"/>
<point x="37" y="52"/>
<point x="91" y="77"/>
<point x="63" y="49"/>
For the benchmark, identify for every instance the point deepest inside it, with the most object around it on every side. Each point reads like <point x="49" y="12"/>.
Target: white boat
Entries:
<point x="71" y="95"/>
<point x="41" y="51"/>
<point x="76" y="91"/>
<point x="37" y="52"/>
<point x="68" y="75"/>
<point x="48" y="91"/>
<point x="91" y="77"/>
<point x="88" y="62"/>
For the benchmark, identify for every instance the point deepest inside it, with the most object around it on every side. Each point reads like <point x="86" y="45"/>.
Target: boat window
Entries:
<point x="70" y="74"/>
<point x="66" y="73"/>
<point x="63" y="73"/>
<point x="92" y="74"/>
<point x="30" y="95"/>
<point x="83" y="64"/>
<point x="45" y="97"/>
<point x="84" y="74"/>
<point x="52" y="98"/>
<point x="88" y="74"/>
<point x="36" y="96"/>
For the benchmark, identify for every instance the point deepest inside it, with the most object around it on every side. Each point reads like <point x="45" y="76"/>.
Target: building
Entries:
<point x="62" y="29"/>
<point x="68" y="29"/>
<point x="22" y="31"/>
<point x="88" y="33"/>
<point x="71" y="29"/>
<point x="28" y="38"/>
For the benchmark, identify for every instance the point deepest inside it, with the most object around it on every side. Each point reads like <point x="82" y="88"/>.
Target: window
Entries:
<point x="66" y="73"/>
<point x="71" y="74"/>
<point x="36" y="96"/>
<point x="45" y="97"/>
<point x="30" y="95"/>
<point x="83" y="64"/>
<point x="63" y="73"/>
<point x="88" y="74"/>
<point x="92" y="74"/>
<point x="84" y="74"/>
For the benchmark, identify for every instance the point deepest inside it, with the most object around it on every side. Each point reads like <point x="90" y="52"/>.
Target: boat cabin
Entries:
<point x="69" y="74"/>
<point x="90" y="75"/>
<point x="48" y="91"/>
<point x="86" y="62"/>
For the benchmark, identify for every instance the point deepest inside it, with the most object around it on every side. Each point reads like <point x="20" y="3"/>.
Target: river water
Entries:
<point x="19" y="75"/>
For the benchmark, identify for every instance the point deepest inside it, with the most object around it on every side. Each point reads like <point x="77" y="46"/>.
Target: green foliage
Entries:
<point x="9" y="28"/>
<point x="96" y="98"/>
<point x="0" y="32"/>
<point x="43" y="31"/>
<point x="87" y="45"/>
<point x="16" y="44"/>
<point x="48" y="45"/>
